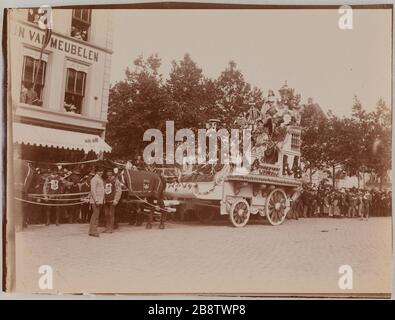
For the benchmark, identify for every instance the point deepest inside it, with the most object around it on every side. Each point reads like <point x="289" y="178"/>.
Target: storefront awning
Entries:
<point x="48" y="137"/>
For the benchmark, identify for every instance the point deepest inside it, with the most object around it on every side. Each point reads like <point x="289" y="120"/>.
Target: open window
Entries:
<point x="80" y="23"/>
<point x="75" y="90"/>
<point x="33" y="15"/>
<point x="31" y="91"/>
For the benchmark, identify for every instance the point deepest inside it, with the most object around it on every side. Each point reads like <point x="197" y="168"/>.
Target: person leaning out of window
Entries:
<point x="29" y="95"/>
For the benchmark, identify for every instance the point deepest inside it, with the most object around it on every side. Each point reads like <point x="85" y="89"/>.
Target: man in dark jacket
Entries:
<point x="306" y="200"/>
<point x="112" y="195"/>
<point x="53" y="186"/>
<point x="73" y="189"/>
<point x="86" y="211"/>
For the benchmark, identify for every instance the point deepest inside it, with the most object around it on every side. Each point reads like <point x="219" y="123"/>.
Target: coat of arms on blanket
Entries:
<point x="146" y="184"/>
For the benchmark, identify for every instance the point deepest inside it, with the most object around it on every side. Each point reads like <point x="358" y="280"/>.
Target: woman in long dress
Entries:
<point x="326" y="205"/>
<point x="336" y="205"/>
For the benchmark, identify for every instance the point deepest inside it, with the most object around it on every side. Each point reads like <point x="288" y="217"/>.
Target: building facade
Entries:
<point x="59" y="93"/>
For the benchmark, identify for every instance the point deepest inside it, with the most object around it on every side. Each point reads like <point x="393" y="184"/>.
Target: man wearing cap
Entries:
<point x="96" y="200"/>
<point x="366" y="201"/>
<point x="74" y="188"/>
<point x="85" y="186"/>
<point x="112" y="194"/>
<point x="52" y="186"/>
<point x="140" y="163"/>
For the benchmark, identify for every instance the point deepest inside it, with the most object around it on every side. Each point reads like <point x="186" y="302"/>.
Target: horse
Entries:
<point x="147" y="187"/>
<point x="25" y="177"/>
<point x="24" y="174"/>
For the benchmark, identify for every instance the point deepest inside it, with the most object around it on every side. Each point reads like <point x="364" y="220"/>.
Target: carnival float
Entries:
<point x="274" y="177"/>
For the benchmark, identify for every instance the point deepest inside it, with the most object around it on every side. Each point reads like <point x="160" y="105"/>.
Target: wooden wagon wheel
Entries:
<point x="275" y="207"/>
<point x="240" y="213"/>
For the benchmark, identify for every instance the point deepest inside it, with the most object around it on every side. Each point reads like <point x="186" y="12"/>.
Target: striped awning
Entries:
<point x="49" y="137"/>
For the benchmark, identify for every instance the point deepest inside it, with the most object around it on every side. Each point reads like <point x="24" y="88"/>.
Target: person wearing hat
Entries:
<point x="306" y="201"/>
<point x="96" y="200"/>
<point x="352" y="202"/>
<point x="112" y="195"/>
<point x="53" y="185"/>
<point x="268" y="102"/>
<point x="367" y="202"/>
<point x="73" y="188"/>
<point x="359" y="206"/>
<point x="86" y="212"/>
<point x="140" y="163"/>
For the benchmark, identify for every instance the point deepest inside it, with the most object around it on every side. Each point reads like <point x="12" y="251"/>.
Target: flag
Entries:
<point x="46" y="39"/>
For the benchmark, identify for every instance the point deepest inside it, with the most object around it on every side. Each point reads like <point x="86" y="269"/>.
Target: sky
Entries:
<point x="305" y="47"/>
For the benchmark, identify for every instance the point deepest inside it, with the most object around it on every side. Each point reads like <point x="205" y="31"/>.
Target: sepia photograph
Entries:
<point x="198" y="149"/>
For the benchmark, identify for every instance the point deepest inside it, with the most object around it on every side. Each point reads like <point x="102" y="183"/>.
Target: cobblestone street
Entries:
<point x="297" y="257"/>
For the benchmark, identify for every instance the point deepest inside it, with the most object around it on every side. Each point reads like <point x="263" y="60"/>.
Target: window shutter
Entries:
<point x="41" y="71"/>
<point x="80" y="83"/>
<point x="28" y="69"/>
<point x="70" y="85"/>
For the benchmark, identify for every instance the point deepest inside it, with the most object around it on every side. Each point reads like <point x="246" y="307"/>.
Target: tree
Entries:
<point x="357" y="144"/>
<point x="235" y="95"/>
<point x="379" y="142"/>
<point x="313" y="125"/>
<point x="356" y="129"/>
<point x="370" y="147"/>
<point x="336" y="143"/>
<point x="192" y="95"/>
<point x="135" y="105"/>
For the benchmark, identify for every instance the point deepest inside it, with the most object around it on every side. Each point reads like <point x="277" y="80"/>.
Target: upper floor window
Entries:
<point x="75" y="90"/>
<point x="80" y="23"/>
<point x="32" y="15"/>
<point x="31" y="92"/>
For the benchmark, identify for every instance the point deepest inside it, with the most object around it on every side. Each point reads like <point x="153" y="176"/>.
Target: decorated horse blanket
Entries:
<point x="144" y="183"/>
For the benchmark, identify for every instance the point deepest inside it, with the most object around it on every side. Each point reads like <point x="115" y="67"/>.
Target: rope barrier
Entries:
<point x="50" y="204"/>
<point x="54" y="199"/>
<point x="77" y="203"/>
<point x="62" y="163"/>
<point x="58" y="195"/>
<point x="117" y="163"/>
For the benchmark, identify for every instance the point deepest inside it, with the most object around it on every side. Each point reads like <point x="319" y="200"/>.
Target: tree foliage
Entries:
<point x="235" y="95"/>
<point x="143" y="100"/>
<point x="135" y="105"/>
<point x="191" y="94"/>
<point x="360" y="143"/>
<point x="313" y="124"/>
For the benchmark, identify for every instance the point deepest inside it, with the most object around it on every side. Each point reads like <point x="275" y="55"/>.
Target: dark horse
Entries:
<point x="146" y="187"/>
<point x="24" y="179"/>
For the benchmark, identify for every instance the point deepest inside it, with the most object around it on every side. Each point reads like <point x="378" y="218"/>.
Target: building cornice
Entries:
<point x="58" y="119"/>
<point x="70" y="38"/>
